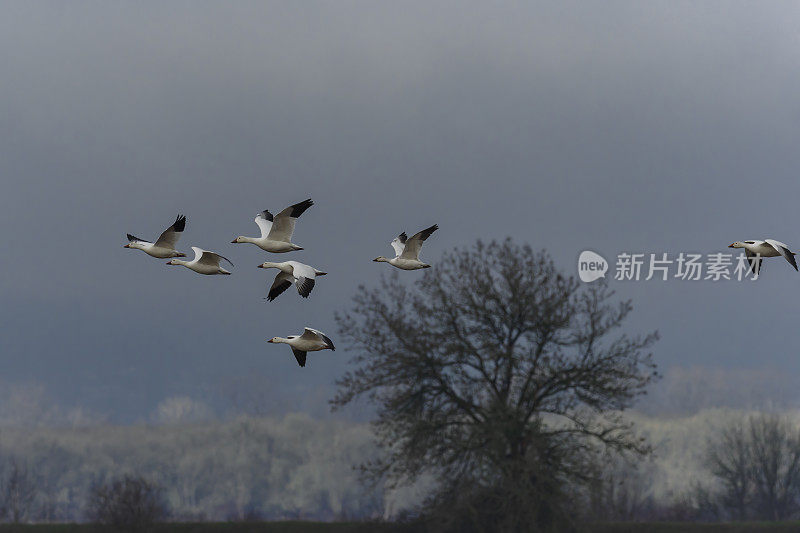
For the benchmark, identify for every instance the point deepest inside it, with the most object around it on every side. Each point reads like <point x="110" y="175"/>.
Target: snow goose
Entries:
<point x="755" y="250"/>
<point x="311" y="340"/>
<point x="292" y="272"/>
<point x="276" y="231"/>
<point x="407" y="250"/>
<point x="165" y="245"/>
<point x="204" y="262"/>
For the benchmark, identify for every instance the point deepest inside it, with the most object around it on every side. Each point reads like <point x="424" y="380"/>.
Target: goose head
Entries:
<point x="380" y="259"/>
<point x="174" y="262"/>
<point x="238" y="240"/>
<point x="736" y="244"/>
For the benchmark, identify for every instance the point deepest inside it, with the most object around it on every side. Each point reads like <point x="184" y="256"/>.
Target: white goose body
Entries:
<point x="204" y="262"/>
<point x="303" y="276"/>
<point x="311" y="340"/>
<point x="277" y="231"/>
<point x="756" y="249"/>
<point x="164" y="246"/>
<point x="407" y="250"/>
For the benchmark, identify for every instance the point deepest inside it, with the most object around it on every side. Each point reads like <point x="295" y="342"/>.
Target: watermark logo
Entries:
<point x="684" y="266"/>
<point x="591" y="266"/>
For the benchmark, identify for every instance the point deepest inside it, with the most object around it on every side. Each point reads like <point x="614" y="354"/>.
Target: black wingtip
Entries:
<point x="427" y="232"/>
<point x="180" y="224"/>
<point x="266" y="215"/>
<point x="305" y="287"/>
<point x="278" y="290"/>
<point x="403" y="237"/>
<point x="329" y="342"/>
<point x="300" y="207"/>
<point x="300" y="356"/>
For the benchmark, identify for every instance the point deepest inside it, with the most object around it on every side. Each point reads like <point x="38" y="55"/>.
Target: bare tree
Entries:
<point x="729" y="459"/>
<point x="758" y="464"/>
<point x="775" y="451"/>
<point x="499" y="375"/>
<point x="131" y="503"/>
<point x="18" y="492"/>
<point x="620" y="490"/>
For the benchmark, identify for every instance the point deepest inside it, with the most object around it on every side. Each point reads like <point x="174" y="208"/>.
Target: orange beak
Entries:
<point x="127" y="246"/>
<point x="269" y="340"/>
<point x="730" y="246"/>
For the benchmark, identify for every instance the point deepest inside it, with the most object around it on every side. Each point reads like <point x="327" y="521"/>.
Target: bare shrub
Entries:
<point x="131" y="504"/>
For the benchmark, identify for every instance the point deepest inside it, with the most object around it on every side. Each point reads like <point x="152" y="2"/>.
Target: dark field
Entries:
<point x="681" y="527"/>
<point x="223" y="527"/>
<point x="380" y="527"/>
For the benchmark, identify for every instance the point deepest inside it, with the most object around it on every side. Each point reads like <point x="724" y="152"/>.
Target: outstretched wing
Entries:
<point x="313" y="334"/>
<point x="283" y="223"/>
<point x="303" y="278"/>
<point x="782" y="249"/>
<point x="413" y="245"/>
<point x="210" y="258"/>
<point x="170" y="237"/>
<point x="131" y="238"/>
<point x="282" y="282"/>
<point x="300" y="356"/>
<point x="304" y="286"/>
<point x="399" y="243"/>
<point x="198" y="253"/>
<point x="264" y="221"/>
<point x="754" y="260"/>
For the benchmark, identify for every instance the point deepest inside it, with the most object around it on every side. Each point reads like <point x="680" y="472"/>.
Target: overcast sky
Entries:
<point x="614" y="126"/>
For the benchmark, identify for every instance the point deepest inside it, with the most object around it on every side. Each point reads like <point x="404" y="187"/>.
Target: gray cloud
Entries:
<point x="615" y="127"/>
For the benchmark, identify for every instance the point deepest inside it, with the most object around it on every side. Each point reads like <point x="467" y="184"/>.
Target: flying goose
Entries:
<point x="165" y="245"/>
<point x="310" y="341"/>
<point x="204" y="262"/>
<point x="407" y="250"/>
<point x="292" y="272"/>
<point x="755" y="250"/>
<point x="276" y="231"/>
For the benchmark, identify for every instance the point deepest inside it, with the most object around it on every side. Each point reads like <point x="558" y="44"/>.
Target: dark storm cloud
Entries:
<point x="613" y="127"/>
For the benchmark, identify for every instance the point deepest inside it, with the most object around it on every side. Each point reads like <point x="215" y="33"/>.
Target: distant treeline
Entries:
<point x="298" y="467"/>
<point x="243" y="469"/>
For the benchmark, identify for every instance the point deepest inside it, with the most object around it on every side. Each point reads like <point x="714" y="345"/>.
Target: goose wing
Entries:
<point x="208" y="258"/>
<point x="170" y="236"/>
<point x="754" y="260"/>
<point x="131" y="238"/>
<point x="303" y="278"/>
<point x="414" y="244"/>
<point x="399" y="243"/>
<point x="300" y="355"/>
<point x="264" y="221"/>
<point x="315" y="334"/>
<point x="782" y="249"/>
<point x="283" y="223"/>
<point x="282" y="282"/>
